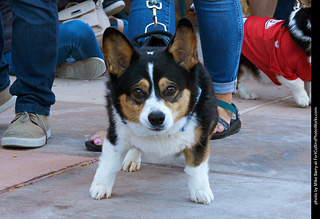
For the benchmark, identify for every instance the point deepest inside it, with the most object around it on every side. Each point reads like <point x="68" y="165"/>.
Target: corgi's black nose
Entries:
<point x="156" y="118"/>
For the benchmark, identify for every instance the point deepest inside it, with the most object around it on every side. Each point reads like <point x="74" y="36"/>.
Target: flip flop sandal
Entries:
<point x="235" y="124"/>
<point x="92" y="147"/>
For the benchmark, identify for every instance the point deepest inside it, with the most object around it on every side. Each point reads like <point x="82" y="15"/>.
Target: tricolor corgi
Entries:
<point x="282" y="50"/>
<point x="161" y="103"/>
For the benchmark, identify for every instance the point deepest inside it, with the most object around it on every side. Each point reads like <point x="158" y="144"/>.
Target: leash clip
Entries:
<point x="154" y="6"/>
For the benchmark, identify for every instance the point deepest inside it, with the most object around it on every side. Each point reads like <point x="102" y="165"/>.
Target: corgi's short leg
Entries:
<point x="198" y="179"/>
<point x="132" y="161"/>
<point x="198" y="183"/>
<point x="297" y="88"/>
<point x="245" y="93"/>
<point x="109" y="165"/>
<point x="307" y="87"/>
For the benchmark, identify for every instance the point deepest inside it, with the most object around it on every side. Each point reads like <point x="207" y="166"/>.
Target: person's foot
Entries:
<point x="98" y="138"/>
<point x="112" y="7"/>
<point x="225" y="115"/>
<point x="27" y="130"/>
<point x="229" y="120"/>
<point x="89" y="68"/>
<point x="96" y="141"/>
<point x="6" y="100"/>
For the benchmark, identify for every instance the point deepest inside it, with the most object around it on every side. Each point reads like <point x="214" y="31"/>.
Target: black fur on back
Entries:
<point x="297" y="23"/>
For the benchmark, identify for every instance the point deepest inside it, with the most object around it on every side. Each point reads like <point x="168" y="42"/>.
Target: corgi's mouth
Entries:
<point x="157" y="129"/>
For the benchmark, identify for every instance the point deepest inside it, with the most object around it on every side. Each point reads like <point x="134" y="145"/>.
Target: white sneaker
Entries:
<point x="112" y="7"/>
<point x="86" y="69"/>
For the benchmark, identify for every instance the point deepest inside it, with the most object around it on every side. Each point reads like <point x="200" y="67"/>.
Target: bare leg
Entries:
<point x="223" y="114"/>
<point x="262" y="8"/>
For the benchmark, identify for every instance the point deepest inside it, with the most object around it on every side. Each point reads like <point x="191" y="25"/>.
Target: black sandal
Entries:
<point x="235" y="124"/>
<point x="92" y="147"/>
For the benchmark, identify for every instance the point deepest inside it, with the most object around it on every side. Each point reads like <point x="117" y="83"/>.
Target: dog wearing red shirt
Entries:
<point x="281" y="49"/>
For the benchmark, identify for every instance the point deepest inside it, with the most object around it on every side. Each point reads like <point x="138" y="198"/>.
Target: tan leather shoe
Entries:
<point x="27" y="130"/>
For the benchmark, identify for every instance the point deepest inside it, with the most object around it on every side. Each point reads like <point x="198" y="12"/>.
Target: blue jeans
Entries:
<point x="140" y="16"/>
<point x="34" y="54"/>
<point x="4" y="67"/>
<point x="221" y="32"/>
<point x="78" y="40"/>
<point x="283" y="9"/>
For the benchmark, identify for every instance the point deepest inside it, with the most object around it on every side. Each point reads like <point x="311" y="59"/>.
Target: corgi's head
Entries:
<point x="153" y="89"/>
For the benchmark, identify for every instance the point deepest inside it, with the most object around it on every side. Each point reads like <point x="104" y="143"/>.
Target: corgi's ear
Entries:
<point x="183" y="46"/>
<point x="118" y="51"/>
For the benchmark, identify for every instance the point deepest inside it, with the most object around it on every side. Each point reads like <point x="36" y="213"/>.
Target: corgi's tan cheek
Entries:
<point x="130" y="110"/>
<point x="180" y="108"/>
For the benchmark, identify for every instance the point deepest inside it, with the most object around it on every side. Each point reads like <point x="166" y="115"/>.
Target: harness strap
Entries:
<point x="138" y="44"/>
<point x="184" y="128"/>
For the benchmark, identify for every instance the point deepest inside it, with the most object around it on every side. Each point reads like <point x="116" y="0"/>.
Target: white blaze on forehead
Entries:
<point x="153" y="104"/>
<point x="150" y="71"/>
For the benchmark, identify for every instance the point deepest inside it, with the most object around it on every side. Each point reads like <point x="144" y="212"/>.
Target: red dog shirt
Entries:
<point x="268" y="45"/>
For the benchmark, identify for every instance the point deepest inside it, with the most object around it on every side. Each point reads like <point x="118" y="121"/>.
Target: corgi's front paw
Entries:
<point x="99" y="191"/>
<point x="301" y="98"/>
<point x="198" y="183"/>
<point x="204" y="196"/>
<point x="132" y="161"/>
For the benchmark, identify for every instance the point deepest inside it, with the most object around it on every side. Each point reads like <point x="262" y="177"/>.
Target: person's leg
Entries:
<point x="34" y="54"/>
<point x="221" y="33"/>
<point x="7" y="58"/>
<point x="140" y="16"/>
<point x="77" y="40"/>
<point x="34" y="59"/>
<point x="262" y="8"/>
<point x="283" y="9"/>
<point x="6" y="100"/>
<point x="4" y="67"/>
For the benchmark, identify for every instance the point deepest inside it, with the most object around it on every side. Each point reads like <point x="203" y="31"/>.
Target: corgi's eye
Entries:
<point x="170" y="91"/>
<point x="139" y="93"/>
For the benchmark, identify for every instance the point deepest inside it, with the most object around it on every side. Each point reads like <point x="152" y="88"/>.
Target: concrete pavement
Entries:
<point x="261" y="172"/>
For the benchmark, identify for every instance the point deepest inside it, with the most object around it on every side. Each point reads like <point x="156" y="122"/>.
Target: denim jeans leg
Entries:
<point x="77" y="39"/>
<point x="4" y="67"/>
<point x="221" y="33"/>
<point x="140" y="16"/>
<point x="34" y="54"/>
